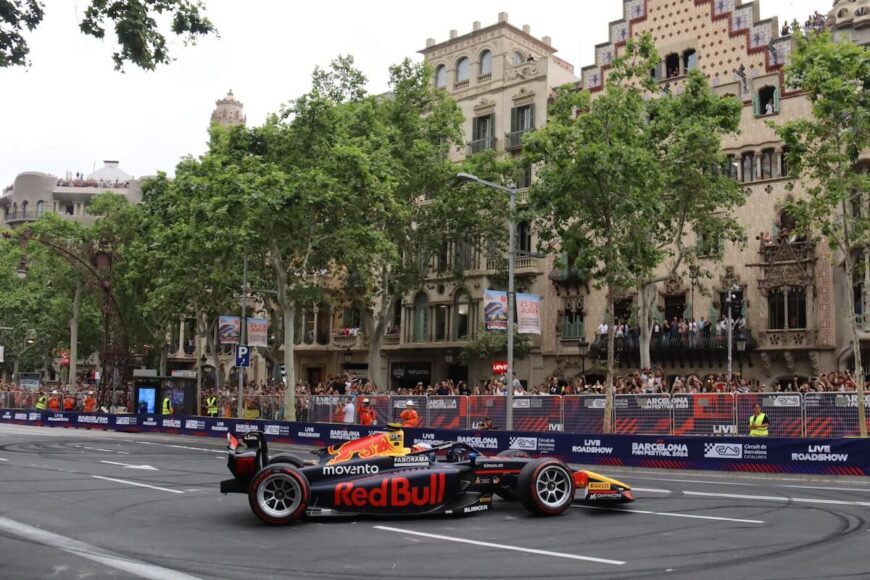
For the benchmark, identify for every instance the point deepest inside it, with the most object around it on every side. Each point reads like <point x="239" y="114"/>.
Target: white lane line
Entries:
<point x="860" y="489"/>
<point x="183" y="447"/>
<point x="629" y="476"/>
<point x="777" y="498"/>
<point x="650" y="489"/>
<point x="1" y="459"/>
<point x="105" y="557"/>
<point x="669" y="514"/>
<point x="136" y="483"/>
<point x="501" y="546"/>
<point x="98" y="449"/>
<point x="130" y="466"/>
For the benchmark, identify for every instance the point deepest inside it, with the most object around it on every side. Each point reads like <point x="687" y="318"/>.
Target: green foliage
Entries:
<point x="140" y="40"/>
<point x="491" y="345"/>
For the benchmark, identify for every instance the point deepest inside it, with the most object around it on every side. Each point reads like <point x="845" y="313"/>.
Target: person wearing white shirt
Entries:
<point x="349" y="412"/>
<point x="602" y="328"/>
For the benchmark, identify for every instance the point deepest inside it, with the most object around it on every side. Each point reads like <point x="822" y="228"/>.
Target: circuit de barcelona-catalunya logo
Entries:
<point x="723" y="450"/>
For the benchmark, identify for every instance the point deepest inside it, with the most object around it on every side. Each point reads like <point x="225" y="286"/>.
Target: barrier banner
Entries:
<point x="583" y="413"/>
<point x="704" y="414"/>
<point x="784" y="411"/>
<point x="643" y="414"/>
<point x="746" y="454"/>
<point x="447" y="412"/>
<point x="536" y="413"/>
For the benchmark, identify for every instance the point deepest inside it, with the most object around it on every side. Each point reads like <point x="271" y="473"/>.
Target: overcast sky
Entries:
<point x="70" y="110"/>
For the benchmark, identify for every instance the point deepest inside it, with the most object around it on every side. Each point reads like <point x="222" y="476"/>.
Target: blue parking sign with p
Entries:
<point x="243" y="356"/>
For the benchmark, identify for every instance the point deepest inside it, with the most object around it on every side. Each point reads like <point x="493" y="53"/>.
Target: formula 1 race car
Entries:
<point x="377" y="475"/>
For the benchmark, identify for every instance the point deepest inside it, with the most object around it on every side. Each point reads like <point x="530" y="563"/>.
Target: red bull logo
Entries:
<point x="394" y="492"/>
<point x="365" y="447"/>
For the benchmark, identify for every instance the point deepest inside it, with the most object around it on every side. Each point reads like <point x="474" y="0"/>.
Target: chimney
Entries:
<point x="527" y="29"/>
<point x="502" y="16"/>
<point x="547" y="40"/>
<point x="475" y="25"/>
<point x="430" y="42"/>
<point x="453" y="33"/>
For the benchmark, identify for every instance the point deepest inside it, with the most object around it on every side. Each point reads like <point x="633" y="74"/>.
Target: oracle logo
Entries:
<point x="393" y="492"/>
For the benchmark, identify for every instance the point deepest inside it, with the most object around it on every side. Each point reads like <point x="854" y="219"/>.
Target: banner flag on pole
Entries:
<point x="258" y="331"/>
<point x="230" y="329"/>
<point x="495" y="305"/>
<point x="528" y="313"/>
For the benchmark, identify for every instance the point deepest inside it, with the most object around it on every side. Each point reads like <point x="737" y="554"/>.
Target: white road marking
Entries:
<point x="105" y="557"/>
<point x="129" y="466"/>
<point x="861" y="489"/>
<point x="183" y="447"/>
<point x="136" y="483"/>
<point x="1" y="459"/>
<point x="777" y="498"/>
<point x="650" y="490"/>
<point x="98" y="449"/>
<point x="669" y="514"/>
<point x="501" y="546"/>
<point x="628" y="476"/>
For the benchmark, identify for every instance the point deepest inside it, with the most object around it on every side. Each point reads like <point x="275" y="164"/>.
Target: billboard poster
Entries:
<point x="528" y="313"/>
<point x="258" y="329"/>
<point x="230" y="329"/>
<point x="495" y="305"/>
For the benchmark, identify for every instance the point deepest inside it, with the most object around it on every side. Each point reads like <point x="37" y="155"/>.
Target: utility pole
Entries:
<point x="243" y="335"/>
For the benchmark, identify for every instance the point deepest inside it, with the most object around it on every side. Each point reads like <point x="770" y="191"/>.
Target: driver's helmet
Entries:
<point x="420" y="447"/>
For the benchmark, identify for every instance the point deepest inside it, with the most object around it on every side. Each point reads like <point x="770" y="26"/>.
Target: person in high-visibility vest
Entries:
<point x="410" y="417"/>
<point x="90" y="403"/>
<point x="366" y="413"/>
<point x="758" y="423"/>
<point x="42" y="402"/>
<point x="211" y="404"/>
<point x="167" y="405"/>
<point x="54" y="402"/>
<point x="69" y="402"/>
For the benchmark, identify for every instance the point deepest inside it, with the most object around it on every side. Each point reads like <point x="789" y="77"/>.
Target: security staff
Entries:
<point x="366" y="413"/>
<point x="90" y="403"/>
<point x="758" y="423"/>
<point x="54" y="402"/>
<point x="167" y="405"/>
<point x="42" y="402"/>
<point x="69" y="402"/>
<point x="211" y="404"/>
<point x="410" y="417"/>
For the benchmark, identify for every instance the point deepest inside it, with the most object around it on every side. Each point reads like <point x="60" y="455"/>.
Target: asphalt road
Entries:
<point x="94" y="504"/>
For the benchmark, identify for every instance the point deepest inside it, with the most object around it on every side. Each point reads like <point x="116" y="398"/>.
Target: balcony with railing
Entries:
<point x="514" y="139"/>
<point x="567" y="277"/>
<point x="14" y="217"/>
<point x="484" y="144"/>
<point x="703" y="346"/>
<point x="784" y="252"/>
<point x="572" y="331"/>
<point x="522" y="265"/>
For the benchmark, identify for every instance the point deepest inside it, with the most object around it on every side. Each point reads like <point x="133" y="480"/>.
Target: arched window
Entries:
<point x="485" y="63"/>
<point x="24" y="206"/>
<point x="766" y="101"/>
<point x="40" y="208"/>
<point x="461" y="315"/>
<point x="748" y="167"/>
<point x="672" y="65"/>
<point x="462" y="70"/>
<point x="524" y="237"/>
<point x="441" y="77"/>
<point x="767" y="163"/>
<point x="517" y="58"/>
<point x="421" y="318"/>
<point x="14" y="209"/>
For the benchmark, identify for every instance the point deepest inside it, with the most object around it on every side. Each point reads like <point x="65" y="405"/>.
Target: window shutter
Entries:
<point x="475" y="129"/>
<point x="532" y="116"/>
<point x="490" y="129"/>
<point x="776" y="100"/>
<point x="513" y="119"/>
<point x="756" y="104"/>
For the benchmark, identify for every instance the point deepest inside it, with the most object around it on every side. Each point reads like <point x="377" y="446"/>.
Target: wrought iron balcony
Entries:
<point x="514" y="139"/>
<point x="666" y="344"/>
<point x="479" y="145"/>
<point x="566" y="276"/>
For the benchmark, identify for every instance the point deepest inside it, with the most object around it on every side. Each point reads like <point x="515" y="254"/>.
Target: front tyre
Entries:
<point x="279" y="494"/>
<point x="545" y="487"/>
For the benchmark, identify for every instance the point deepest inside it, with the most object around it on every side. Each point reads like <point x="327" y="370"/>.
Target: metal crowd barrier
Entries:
<point x="820" y="415"/>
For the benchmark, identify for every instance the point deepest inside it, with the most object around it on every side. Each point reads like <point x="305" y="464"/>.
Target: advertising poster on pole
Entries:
<point x="528" y="313"/>
<point x="495" y="304"/>
<point x="258" y="330"/>
<point x="230" y="329"/>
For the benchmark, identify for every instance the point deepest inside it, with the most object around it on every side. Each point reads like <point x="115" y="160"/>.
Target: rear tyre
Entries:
<point x="287" y="459"/>
<point x="279" y="494"/>
<point x="546" y="487"/>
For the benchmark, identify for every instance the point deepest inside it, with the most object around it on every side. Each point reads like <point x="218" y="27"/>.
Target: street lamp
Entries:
<point x="583" y="348"/>
<point x="729" y="300"/>
<point x="512" y="194"/>
<point x="740" y="341"/>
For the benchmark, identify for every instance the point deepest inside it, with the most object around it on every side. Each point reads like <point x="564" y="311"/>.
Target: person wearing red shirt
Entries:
<point x="410" y="417"/>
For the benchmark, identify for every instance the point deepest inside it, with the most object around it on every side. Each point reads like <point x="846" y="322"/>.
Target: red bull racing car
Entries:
<point x="378" y="476"/>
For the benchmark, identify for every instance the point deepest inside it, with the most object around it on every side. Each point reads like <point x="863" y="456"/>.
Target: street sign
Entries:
<point x="243" y="356"/>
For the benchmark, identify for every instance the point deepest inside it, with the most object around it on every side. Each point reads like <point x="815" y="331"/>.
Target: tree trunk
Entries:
<point x="856" y="343"/>
<point x="608" y="384"/>
<point x="15" y="369"/>
<point x="210" y="333"/>
<point x="74" y="337"/>
<point x="646" y="299"/>
<point x="289" y="313"/>
<point x="376" y="344"/>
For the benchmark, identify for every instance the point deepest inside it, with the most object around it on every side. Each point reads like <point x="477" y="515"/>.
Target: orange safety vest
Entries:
<point x="410" y="418"/>
<point x="68" y="403"/>
<point x="366" y="416"/>
<point x="54" y="404"/>
<point x="90" y="404"/>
